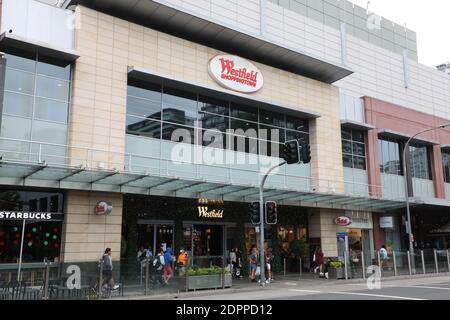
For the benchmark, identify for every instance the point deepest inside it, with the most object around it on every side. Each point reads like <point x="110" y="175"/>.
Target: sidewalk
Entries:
<point x="244" y="285"/>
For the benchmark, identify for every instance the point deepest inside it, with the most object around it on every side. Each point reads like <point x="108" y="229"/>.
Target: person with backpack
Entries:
<point x="107" y="269"/>
<point x="168" y="258"/>
<point x="158" y="268"/>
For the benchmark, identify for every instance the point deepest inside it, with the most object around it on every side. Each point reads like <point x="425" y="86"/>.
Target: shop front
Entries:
<point x="207" y="229"/>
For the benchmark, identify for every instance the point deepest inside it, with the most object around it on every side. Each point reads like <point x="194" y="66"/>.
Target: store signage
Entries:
<point x="103" y="208"/>
<point x="204" y="209"/>
<point x="235" y="73"/>
<point x="39" y="216"/>
<point x="386" y="222"/>
<point x="343" y="221"/>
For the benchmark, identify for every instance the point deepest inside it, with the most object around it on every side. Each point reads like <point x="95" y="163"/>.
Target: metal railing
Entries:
<point x="98" y="159"/>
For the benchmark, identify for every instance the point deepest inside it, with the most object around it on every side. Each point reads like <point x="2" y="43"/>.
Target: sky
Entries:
<point x="430" y="19"/>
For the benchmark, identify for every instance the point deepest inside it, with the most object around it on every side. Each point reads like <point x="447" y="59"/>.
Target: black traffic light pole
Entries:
<point x="261" y="222"/>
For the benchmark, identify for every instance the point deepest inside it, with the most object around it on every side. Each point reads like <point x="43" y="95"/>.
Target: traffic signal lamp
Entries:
<point x="271" y="212"/>
<point x="254" y="213"/>
<point x="305" y="152"/>
<point x="291" y="152"/>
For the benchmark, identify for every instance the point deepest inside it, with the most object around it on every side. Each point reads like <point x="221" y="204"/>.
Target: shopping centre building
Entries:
<point x="95" y="95"/>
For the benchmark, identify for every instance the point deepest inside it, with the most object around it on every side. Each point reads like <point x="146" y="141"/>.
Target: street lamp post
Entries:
<point x="406" y="173"/>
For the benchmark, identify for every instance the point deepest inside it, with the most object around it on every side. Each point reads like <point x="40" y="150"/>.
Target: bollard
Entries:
<point x="409" y="263"/>
<point x="363" y="265"/>
<point x="395" y="263"/>
<point x="379" y="262"/>
<point x="436" y="261"/>
<point x="448" y="260"/>
<point x="284" y="267"/>
<point x="300" y="267"/>
<point x="146" y="275"/>
<point x="423" y="262"/>
<point x="100" y="282"/>
<point x="345" y="265"/>
<point x="46" y="284"/>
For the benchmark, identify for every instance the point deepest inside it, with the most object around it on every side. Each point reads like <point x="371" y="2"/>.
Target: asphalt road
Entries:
<point x="409" y="289"/>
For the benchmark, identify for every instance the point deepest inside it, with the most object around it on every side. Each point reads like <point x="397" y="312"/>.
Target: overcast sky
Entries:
<point x="430" y="19"/>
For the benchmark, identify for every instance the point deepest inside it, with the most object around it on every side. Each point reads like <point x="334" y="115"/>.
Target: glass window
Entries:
<point x="177" y="133"/>
<point x="211" y="105"/>
<point x="298" y="124"/>
<point x="390" y="161"/>
<point x="446" y="165"/>
<point x="353" y="148"/>
<point x="16" y="128"/>
<point x="213" y="121"/>
<point x="271" y="118"/>
<point x="272" y="133"/>
<point x="18" y="104"/>
<point x="294" y="135"/>
<point x="51" y="110"/>
<point x="179" y="106"/>
<point x="420" y="164"/>
<point x="244" y="112"/>
<point x="214" y="139"/>
<point x="53" y="70"/>
<point x="52" y="88"/>
<point x="20" y="63"/>
<point x="143" y="108"/>
<point x="44" y="131"/>
<point x="143" y="127"/>
<point x="19" y="81"/>
<point x="244" y="128"/>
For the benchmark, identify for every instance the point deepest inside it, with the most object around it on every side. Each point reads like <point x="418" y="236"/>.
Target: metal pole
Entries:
<point x="47" y="276"/>
<point x="345" y="265"/>
<point x="436" y="261"/>
<point x="395" y="263"/>
<point x="284" y="267"/>
<point x="21" y="251"/>
<point x="379" y="262"/>
<point x="300" y="267"/>
<point x="100" y="282"/>
<point x="423" y="262"/>
<point x="448" y="260"/>
<point x="363" y="265"/>
<point x="261" y="221"/>
<point x="409" y="263"/>
<point x="146" y="275"/>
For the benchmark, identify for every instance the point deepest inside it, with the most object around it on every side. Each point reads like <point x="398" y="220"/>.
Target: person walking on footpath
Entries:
<point x="107" y="271"/>
<point x="253" y="259"/>
<point x="383" y="257"/>
<point x="319" y="260"/>
<point x="168" y="258"/>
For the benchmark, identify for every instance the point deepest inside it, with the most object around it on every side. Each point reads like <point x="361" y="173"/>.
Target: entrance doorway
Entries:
<point x="154" y="236"/>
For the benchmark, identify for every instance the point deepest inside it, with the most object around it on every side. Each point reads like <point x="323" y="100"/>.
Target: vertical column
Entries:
<point x="344" y="44"/>
<point x="263" y="17"/>
<point x="373" y="157"/>
<point x="437" y="170"/>
<point x="406" y="68"/>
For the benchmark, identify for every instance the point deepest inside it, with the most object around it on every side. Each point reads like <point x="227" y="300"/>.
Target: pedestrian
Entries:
<point x="168" y="258"/>
<point x="268" y="265"/>
<point x="319" y="260"/>
<point x="158" y="268"/>
<point x="383" y="256"/>
<point x="238" y="272"/>
<point x="107" y="270"/>
<point x="182" y="262"/>
<point x="253" y="259"/>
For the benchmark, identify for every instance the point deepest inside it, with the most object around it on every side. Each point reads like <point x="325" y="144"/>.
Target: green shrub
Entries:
<point x="337" y="264"/>
<point x="195" y="271"/>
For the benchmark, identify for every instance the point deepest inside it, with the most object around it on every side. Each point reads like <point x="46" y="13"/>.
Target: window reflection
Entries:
<point x="353" y="148"/>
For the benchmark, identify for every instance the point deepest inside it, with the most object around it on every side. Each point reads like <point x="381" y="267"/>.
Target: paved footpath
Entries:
<point x="430" y="287"/>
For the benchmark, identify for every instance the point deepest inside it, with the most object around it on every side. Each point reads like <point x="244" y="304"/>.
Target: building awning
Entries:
<point x="357" y="125"/>
<point x="154" y="77"/>
<point x="10" y="41"/>
<point x="27" y="174"/>
<point x="403" y="136"/>
<point x="193" y="27"/>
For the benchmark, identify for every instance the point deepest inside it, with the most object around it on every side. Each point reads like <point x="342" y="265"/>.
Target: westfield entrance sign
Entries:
<point x="236" y="73"/>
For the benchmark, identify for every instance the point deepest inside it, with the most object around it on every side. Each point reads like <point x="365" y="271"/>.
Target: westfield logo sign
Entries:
<point x="235" y="73"/>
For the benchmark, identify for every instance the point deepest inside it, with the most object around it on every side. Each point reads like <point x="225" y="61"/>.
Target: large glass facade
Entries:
<point x="353" y="148"/>
<point x="42" y="240"/>
<point x="156" y="111"/>
<point x="420" y="162"/>
<point x="35" y="108"/>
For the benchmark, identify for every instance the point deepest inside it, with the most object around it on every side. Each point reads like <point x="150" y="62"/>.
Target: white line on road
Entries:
<point x="376" y="295"/>
<point x="424" y="287"/>
<point x="306" y="291"/>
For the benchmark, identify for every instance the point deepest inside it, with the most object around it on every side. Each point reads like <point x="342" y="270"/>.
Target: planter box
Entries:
<point x="213" y="281"/>
<point x="336" y="273"/>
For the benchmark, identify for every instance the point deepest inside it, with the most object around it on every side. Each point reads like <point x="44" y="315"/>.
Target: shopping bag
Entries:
<point x="258" y="271"/>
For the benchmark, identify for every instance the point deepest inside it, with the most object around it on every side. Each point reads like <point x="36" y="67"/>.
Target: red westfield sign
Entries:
<point x="235" y="73"/>
<point x="343" y="221"/>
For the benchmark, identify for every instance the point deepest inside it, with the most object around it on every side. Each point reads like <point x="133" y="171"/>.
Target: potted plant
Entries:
<point x="208" y="278"/>
<point x="300" y="249"/>
<point x="336" y="270"/>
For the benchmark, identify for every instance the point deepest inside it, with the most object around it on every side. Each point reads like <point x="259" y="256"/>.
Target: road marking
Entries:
<point x="375" y="295"/>
<point x="306" y="291"/>
<point x="434" y="288"/>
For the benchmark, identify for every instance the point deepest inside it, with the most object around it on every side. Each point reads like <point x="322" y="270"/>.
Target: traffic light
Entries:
<point x="271" y="212"/>
<point x="254" y="213"/>
<point x="305" y="152"/>
<point x="291" y="152"/>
